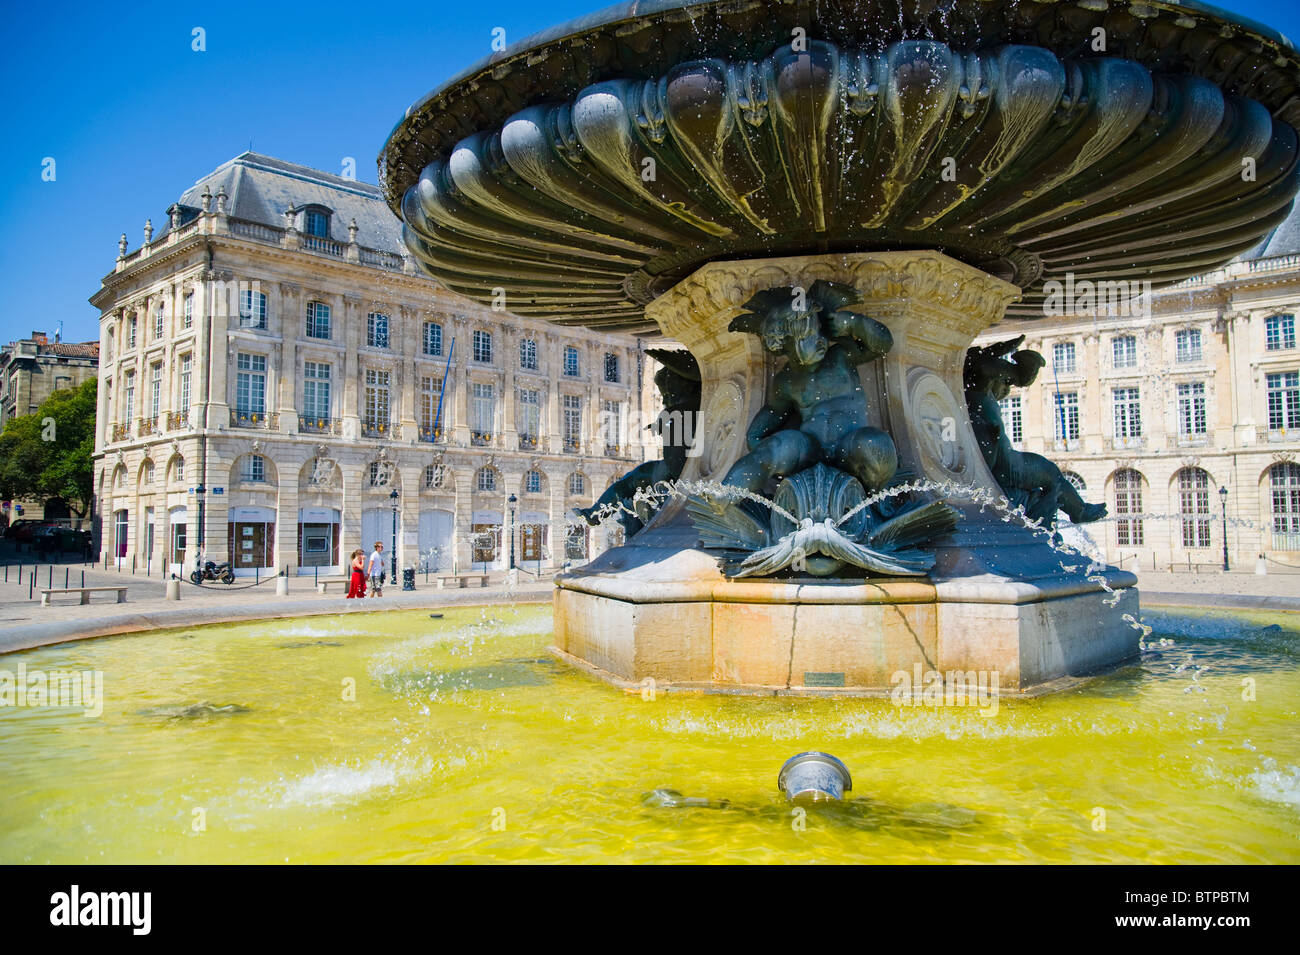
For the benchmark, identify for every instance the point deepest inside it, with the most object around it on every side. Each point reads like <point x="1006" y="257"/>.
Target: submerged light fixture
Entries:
<point x="814" y="777"/>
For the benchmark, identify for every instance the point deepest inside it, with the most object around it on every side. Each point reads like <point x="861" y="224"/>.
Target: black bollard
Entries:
<point x="66" y="572"/>
<point x="83" y="578"/>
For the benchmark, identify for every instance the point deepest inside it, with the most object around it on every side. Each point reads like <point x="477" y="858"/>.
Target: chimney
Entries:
<point x="39" y="338"/>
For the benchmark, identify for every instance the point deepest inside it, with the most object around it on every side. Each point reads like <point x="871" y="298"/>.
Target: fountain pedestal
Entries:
<point x="1000" y="600"/>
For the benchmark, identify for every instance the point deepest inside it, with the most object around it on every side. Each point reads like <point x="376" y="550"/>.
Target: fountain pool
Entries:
<point x="467" y="742"/>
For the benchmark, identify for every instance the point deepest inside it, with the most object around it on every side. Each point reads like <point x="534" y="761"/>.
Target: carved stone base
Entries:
<point x="999" y="598"/>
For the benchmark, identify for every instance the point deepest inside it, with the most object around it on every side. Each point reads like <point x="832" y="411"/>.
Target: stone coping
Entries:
<point x="1221" y="601"/>
<point x="979" y="589"/>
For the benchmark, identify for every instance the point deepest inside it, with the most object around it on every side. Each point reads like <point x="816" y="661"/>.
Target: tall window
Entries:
<point x="316" y="223"/>
<point x="1063" y="357"/>
<point x="1283" y="400"/>
<point x="188" y="313"/>
<point x="252" y="310"/>
<point x="157" y="322"/>
<point x="577" y="483"/>
<point x="1191" y="408"/>
<point x="1279" y="332"/>
<point x="611" y="366"/>
<point x="376" y="409"/>
<point x="377" y="330"/>
<point x="1067" y="416"/>
<point x="432" y="339"/>
<point x="1187" y="344"/>
<point x="129" y="393"/>
<point x="187" y="364"/>
<point x="155" y="390"/>
<point x="130" y="331"/>
<point x="250" y="384"/>
<point x="1194" y="501"/>
<point x="316" y="390"/>
<point x="483" y="412"/>
<point x="178" y="469"/>
<point x="1012" y="419"/>
<point x="254" y="468"/>
<point x="485" y="479"/>
<point x="530" y="416"/>
<point x="430" y="392"/>
<point x="533" y="482"/>
<point x="528" y="354"/>
<point x="1128" y="413"/>
<point x="483" y="347"/>
<point x="1124" y="351"/>
<point x="611" y="426"/>
<point x="1284" y="482"/>
<point x="572" y="422"/>
<point x="1128" y="508"/>
<point x="571" y="361"/>
<point x="318" y="320"/>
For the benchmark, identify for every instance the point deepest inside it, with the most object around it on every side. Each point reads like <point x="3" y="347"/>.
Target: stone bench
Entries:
<point x="84" y="591"/>
<point x="462" y="580"/>
<point x="323" y="586"/>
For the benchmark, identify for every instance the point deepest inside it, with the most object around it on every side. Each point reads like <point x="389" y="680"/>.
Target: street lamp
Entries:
<point x="512" y="501"/>
<point x="1223" y="499"/>
<point x="392" y="496"/>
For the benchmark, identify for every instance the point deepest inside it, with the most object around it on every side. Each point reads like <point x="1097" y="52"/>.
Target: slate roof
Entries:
<point x="260" y="188"/>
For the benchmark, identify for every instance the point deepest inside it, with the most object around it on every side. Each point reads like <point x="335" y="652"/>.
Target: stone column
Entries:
<point x="286" y="514"/>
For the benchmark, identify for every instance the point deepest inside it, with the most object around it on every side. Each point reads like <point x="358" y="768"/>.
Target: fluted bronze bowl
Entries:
<point x="588" y="169"/>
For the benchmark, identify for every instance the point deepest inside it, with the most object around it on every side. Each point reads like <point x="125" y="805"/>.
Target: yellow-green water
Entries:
<point x="466" y="743"/>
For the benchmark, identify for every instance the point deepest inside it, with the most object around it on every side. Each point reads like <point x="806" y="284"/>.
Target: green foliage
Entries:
<point x="40" y="458"/>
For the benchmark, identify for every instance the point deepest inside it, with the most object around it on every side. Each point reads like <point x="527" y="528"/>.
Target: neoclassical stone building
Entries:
<point x="272" y="361"/>
<point x="1155" y="412"/>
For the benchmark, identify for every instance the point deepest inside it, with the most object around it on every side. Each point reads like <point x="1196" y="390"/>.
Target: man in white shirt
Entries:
<point x="375" y="570"/>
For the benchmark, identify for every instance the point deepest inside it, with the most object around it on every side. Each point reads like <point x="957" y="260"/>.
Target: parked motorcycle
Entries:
<point x="211" y="570"/>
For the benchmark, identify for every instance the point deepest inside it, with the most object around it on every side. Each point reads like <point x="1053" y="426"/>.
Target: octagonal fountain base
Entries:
<point x="675" y="623"/>
<point x="999" y="600"/>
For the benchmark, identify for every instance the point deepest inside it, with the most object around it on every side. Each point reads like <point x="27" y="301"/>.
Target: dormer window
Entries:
<point x="316" y="222"/>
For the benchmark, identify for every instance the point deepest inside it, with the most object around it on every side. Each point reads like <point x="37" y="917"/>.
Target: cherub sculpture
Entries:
<point x="816" y="412"/>
<point x="678" y="382"/>
<point x="1028" y="480"/>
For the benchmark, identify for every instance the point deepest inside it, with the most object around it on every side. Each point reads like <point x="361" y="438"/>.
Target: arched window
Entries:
<point x="253" y="468"/>
<point x="178" y="469"/>
<point x="577" y="483"/>
<point x="1075" y="480"/>
<point x="1194" y="504"/>
<point x="1284" y="481"/>
<point x="533" y="482"/>
<point x="1128" y="504"/>
<point x="486" y="479"/>
<point x="146" y="475"/>
<point x="435" y="476"/>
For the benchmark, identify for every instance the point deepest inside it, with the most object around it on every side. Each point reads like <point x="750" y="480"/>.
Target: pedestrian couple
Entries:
<point x="372" y="568"/>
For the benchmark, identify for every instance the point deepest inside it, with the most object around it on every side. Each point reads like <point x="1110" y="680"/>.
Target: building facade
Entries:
<point x="280" y="386"/>
<point x="1181" y="412"/>
<point x="33" y="369"/>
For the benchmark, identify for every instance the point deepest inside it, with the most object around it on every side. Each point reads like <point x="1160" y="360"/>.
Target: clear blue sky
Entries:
<point x="133" y="116"/>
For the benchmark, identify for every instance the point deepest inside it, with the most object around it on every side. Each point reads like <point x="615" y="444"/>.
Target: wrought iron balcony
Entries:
<point x="178" y="420"/>
<point x="147" y="426"/>
<point x="480" y="439"/>
<point x="311" y="424"/>
<point x="572" y="445"/>
<point x="240" y="418"/>
<point x="120" y="432"/>
<point x="371" y="428"/>
<point x="528" y="442"/>
<point x="432" y="435"/>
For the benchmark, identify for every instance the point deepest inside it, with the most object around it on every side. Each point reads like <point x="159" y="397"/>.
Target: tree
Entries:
<point x="51" y="453"/>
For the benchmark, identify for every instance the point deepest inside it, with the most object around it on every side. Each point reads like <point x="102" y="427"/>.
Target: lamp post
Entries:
<point x="1223" y="500"/>
<point x="392" y="496"/>
<point x="512" y="501"/>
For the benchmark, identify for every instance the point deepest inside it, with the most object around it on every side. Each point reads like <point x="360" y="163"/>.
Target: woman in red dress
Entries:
<point x="358" y="585"/>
